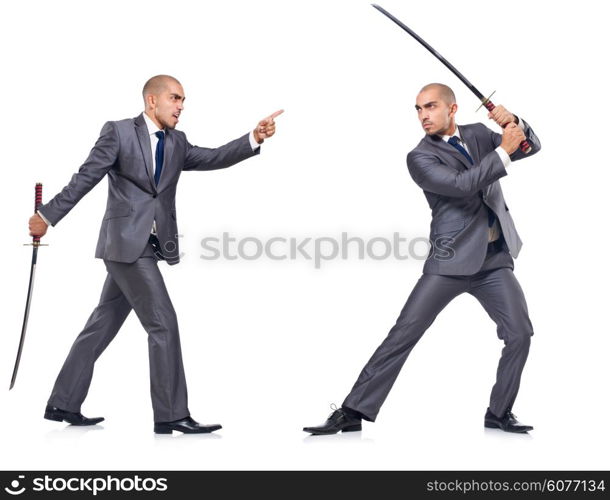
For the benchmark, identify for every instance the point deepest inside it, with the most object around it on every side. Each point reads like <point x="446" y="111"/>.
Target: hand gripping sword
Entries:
<point x="35" y="244"/>
<point x="485" y="101"/>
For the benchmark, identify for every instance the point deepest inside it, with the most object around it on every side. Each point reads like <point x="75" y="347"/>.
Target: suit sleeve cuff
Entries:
<point x="253" y="144"/>
<point x="520" y="123"/>
<point x="43" y="218"/>
<point x="503" y="156"/>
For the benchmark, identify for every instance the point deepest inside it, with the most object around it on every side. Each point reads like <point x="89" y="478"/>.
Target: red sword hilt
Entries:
<point x="490" y="106"/>
<point x="37" y="205"/>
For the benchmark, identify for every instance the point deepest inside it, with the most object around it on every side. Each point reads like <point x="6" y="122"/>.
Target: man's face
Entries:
<point x="435" y="115"/>
<point x="168" y="105"/>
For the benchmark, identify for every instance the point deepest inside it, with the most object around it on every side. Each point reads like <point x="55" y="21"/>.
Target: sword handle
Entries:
<point x="524" y="146"/>
<point x="37" y="205"/>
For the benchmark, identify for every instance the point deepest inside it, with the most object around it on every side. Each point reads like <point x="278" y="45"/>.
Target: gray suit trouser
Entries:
<point x="138" y="286"/>
<point x="500" y="294"/>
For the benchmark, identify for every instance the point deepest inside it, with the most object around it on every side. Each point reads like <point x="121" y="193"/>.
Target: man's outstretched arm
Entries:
<point x="198" y="158"/>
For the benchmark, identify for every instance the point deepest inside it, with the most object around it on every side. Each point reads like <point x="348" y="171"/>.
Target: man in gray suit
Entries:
<point x="473" y="242"/>
<point x="143" y="158"/>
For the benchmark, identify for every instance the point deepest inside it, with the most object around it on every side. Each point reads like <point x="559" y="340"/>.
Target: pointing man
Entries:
<point x="143" y="158"/>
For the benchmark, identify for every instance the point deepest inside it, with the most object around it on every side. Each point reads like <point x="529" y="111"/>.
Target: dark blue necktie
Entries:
<point x="455" y="142"/>
<point x="159" y="155"/>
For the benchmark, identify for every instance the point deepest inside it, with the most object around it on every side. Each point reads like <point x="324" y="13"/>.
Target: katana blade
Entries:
<point x="525" y="147"/>
<point x="450" y="66"/>
<point x="35" y="243"/>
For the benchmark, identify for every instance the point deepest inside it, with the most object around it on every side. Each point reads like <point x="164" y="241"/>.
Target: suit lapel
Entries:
<point x="144" y="140"/>
<point x="471" y="142"/>
<point x="438" y="143"/>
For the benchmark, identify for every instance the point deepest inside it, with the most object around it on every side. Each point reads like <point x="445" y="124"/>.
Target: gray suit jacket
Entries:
<point x="457" y="193"/>
<point x="123" y="152"/>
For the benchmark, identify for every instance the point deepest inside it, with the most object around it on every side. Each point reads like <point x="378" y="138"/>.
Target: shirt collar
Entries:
<point x="150" y="125"/>
<point x="456" y="134"/>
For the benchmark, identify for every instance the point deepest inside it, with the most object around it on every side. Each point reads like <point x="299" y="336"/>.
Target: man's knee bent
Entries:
<point x="517" y="340"/>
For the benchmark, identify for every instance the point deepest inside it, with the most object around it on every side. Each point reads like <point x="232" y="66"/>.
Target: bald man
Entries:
<point x="143" y="158"/>
<point x="473" y="242"/>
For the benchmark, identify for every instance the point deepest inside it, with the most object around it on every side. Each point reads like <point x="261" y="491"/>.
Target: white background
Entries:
<point x="269" y="345"/>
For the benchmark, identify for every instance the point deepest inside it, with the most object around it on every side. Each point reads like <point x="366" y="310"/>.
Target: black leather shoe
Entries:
<point x="186" y="425"/>
<point x="58" y="415"/>
<point x="508" y="422"/>
<point x="338" y="420"/>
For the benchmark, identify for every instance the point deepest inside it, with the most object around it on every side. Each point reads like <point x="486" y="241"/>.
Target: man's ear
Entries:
<point x="453" y="110"/>
<point x="151" y="101"/>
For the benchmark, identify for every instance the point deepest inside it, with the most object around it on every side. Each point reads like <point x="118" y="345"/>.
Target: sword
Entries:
<point x="485" y="101"/>
<point x="35" y="244"/>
